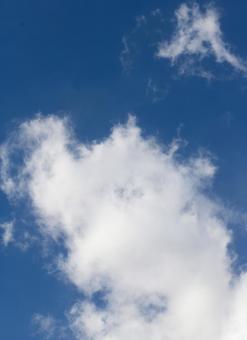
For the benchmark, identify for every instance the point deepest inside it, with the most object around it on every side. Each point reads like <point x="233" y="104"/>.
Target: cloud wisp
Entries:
<point x="197" y="36"/>
<point x="139" y="231"/>
<point x="7" y="233"/>
<point x="48" y="328"/>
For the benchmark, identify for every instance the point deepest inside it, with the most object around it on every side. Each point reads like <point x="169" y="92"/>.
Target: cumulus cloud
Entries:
<point x="198" y="35"/>
<point x="139" y="230"/>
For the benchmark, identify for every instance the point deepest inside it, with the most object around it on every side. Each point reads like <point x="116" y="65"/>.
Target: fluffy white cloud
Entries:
<point x="137" y="225"/>
<point x="198" y="35"/>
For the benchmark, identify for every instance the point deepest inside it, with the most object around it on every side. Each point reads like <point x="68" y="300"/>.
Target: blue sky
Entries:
<point x="96" y="63"/>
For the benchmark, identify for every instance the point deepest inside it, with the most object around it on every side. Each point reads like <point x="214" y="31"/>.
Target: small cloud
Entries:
<point x="197" y="36"/>
<point x="145" y="33"/>
<point x="140" y="20"/>
<point x="7" y="233"/>
<point x="155" y="92"/>
<point x="44" y="325"/>
<point x="125" y="55"/>
<point x="156" y="12"/>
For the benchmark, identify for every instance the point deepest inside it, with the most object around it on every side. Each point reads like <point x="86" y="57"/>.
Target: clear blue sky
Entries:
<point x="64" y="57"/>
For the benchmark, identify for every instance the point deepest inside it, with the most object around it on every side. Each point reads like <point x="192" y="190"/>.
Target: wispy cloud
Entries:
<point x="197" y="36"/>
<point x="47" y="327"/>
<point x="146" y="30"/>
<point x="7" y="232"/>
<point x="155" y="92"/>
<point x="125" y="55"/>
<point x="44" y="325"/>
<point x="138" y="227"/>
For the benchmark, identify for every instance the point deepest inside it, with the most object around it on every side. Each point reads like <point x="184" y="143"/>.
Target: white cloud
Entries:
<point x="198" y="35"/>
<point x="7" y="232"/>
<point x="137" y="225"/>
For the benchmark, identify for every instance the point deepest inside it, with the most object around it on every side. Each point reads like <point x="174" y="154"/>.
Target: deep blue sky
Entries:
<point x="61" y="56"/>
